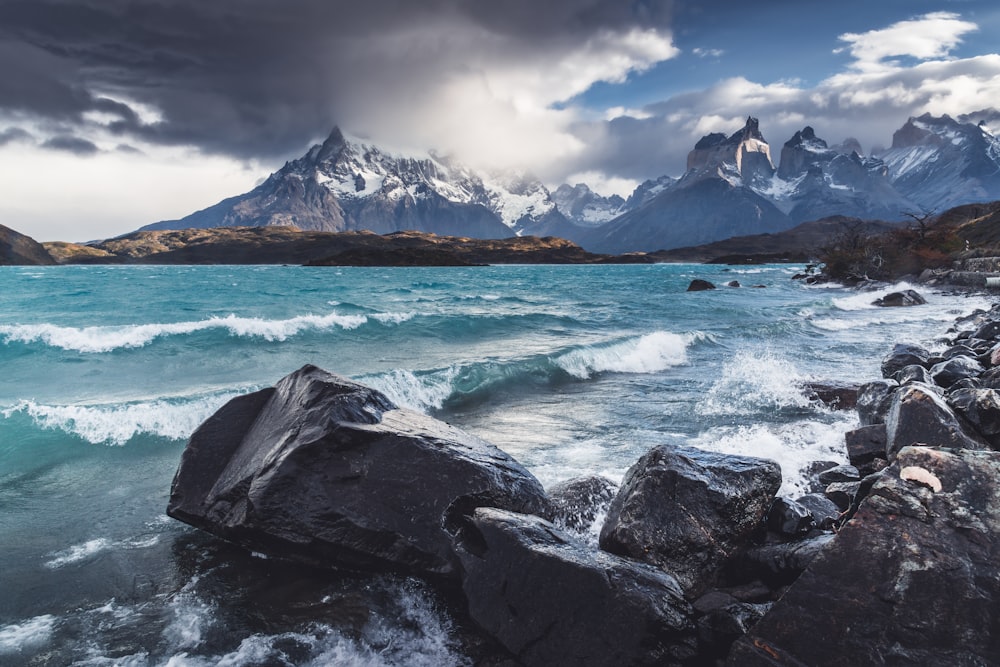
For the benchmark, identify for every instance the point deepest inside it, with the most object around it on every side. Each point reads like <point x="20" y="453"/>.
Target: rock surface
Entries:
<point x="699" y="285"/>
<point x="327" y="471"/>
<point x="689" y="511"/>
<point x="552" y="600"/>
<point x="919" y="415"/>
<point x="579" y="502"/>
<point x="912" y="579"/>
<point x="899" y="299"/>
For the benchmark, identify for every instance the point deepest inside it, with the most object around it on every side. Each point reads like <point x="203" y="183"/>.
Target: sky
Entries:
<point x="118" y="113"/>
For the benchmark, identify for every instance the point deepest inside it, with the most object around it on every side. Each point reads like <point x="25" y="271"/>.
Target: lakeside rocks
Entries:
<point x="688" y="511"/>
<point x="328" y="471"/>
<point x="900" y="299"/>
<point x="552" y="600"/>
<point x="704" y="554"/>
<point x="912" y="579"/>
<point x="699" y="285"/>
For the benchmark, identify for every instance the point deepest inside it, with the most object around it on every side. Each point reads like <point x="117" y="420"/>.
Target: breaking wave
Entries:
<point x="174" y="418"/>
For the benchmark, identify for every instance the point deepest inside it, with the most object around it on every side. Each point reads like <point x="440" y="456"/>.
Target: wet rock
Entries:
<point x="979" y="407"/>
<point x="911" y="580"/>
<point x="787" y="517"/>
<point x="988" y="331"/>
<point x="327" y="471"/>
<point x="823" y="510"/>
<point x="782" y="563"/>
<point x="899" y="299"/>
<point x="841" y="473"/>
<point x="552" y="600"/>
<point x="990" y="379"/>
<point x="733" y="283"/>
<point x="699" y="285"/>
<point x="865" y="444"/>
<point x="578" y="502"/>
<point x="904" y="354"/>
<point x="874" y="400"/>
<point x="688" y="511"/>
<point x="962" y="350"/>
<point x="834" y="395"/>
<point x="913" y="373"/>
<point x="951" y="371"/>
<point x="842" y="494"/>
<point x="719" y="628"/>
<point x="919" y="415"/>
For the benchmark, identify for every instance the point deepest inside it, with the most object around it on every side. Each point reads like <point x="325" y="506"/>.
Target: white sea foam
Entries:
<point x="646" y="354"/>
<point x="863" y="300"/>
<point x="794" y="446"/>
<point x="117" y="423"/>
<point x="97" y="339"/>
<point x="34" y="632"/>
<point x="78" y="553"/>
<point x="423" y="392"/>
<point x="752" y="381"/>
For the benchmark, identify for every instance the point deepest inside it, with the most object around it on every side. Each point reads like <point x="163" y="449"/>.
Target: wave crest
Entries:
<point x="117" y="423"/>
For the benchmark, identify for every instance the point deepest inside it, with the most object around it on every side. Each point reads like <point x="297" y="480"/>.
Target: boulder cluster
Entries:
<point x="693" y="560"/>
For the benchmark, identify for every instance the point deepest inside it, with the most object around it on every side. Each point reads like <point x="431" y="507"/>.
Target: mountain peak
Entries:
<point x="751" y="130"/>
<point x="332" y="146"/>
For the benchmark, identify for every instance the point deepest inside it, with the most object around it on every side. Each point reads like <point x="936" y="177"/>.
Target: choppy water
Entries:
<point x="104" y="372"/>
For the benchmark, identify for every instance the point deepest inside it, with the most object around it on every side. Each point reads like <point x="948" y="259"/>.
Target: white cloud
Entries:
<point x="58" y="196"/>
<point x="926" y="37"/>
<point x="708" y="53"/>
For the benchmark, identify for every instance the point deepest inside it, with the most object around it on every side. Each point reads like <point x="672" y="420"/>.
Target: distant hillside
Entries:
<point x="16" y="248"/>
<point x="288" y="245"/>
<point x="798" y="244"/>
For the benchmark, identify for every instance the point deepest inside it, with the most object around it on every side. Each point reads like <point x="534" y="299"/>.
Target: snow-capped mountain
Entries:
<point x="585" y="207"/>
<point x="939" y="162"/>
<point x="731" y="188"/>
<point x="346" y="184"/>
<point x="718" y="197"/>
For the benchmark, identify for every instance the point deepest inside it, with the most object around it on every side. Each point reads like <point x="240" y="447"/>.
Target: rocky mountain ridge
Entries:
<point x="732" y="187"/>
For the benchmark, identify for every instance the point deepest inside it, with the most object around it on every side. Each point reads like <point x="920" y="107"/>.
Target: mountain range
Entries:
<point x="731" y="187"/>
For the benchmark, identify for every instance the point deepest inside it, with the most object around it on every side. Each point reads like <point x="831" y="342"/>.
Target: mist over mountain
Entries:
<point x="732" y="186"/>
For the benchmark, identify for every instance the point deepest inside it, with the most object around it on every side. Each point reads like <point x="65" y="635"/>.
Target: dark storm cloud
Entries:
<point x="261" y="78"/>
<point x="13" y="134"/>
<point x="69" y="144"/>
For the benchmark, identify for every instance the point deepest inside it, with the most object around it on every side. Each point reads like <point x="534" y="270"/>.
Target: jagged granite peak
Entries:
<point x="742" y="158"/>
<point x="649" y="189"/>
<point x="585" y="207"/>
<point x="348" y="184"/>
<point x="939" y="162"/>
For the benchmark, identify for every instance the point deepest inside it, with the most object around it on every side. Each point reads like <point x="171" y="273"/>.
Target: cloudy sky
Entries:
<point x="118" y="113"/>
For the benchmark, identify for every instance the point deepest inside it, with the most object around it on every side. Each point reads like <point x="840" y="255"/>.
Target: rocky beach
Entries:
<point x="890" y="557"/>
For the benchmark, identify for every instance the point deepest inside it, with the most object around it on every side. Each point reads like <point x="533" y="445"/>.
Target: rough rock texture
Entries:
<point x="904" y="354"/>
<point x="578" y="502"/>
<point x="328" y="471"/>
<point x="949" y="372"/>
<point x="552" y="600"/>
<point x="865" y="444"/>
<point x="874" y="399"/>
<point x="979" y="407"/>
<point x="788" y="517"/>
<point x="919" y="415"/>
<point x="911" y="580"/>
<point x="689" y="511"/>
<point x="834" y="395"/>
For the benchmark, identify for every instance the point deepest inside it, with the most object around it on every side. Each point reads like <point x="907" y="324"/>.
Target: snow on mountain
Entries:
<point x="939" y="162"/>
<point x="585" y="207"/>
<point x="349" y="184"/>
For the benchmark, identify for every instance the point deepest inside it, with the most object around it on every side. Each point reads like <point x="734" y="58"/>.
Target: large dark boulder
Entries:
<point x="865" y="444"/>
<point x="552" y="600"/>
<point x="980" y="408"/>
<point x="949" y="372"/>
<point x="904" y="354"/>
<point x="910" y="580"/>
<point x="919" y="416"/>
<point x="689" y="511"/>
<point x="834" y="395"/>
<point x="898" y="299"/>
<point x="874" y="399"/>
<point x="328" y="471"/>
<point x="699" y="285"/>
